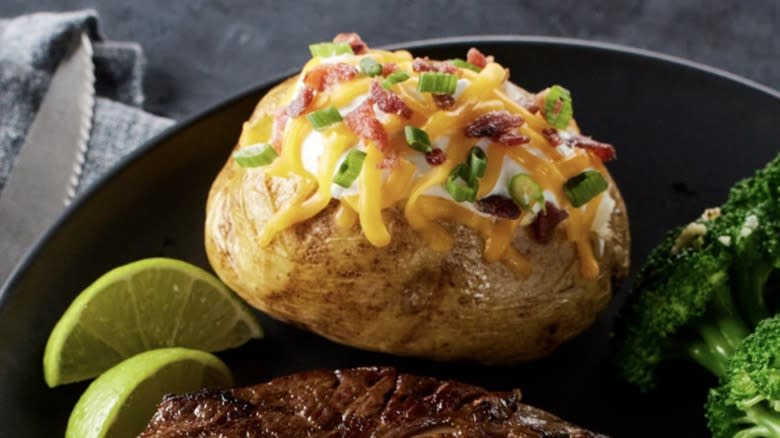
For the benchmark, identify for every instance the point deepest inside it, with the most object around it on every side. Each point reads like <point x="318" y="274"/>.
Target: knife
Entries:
<point x="47" y="168"/>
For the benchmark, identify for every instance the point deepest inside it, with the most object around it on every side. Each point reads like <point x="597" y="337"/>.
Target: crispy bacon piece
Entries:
<point x="498" y="206"/>
<point x="388" y="68"/>
<point x="297" y="107"/>
<point x="327" y="75"/>
<point x="388" y="101"/>
<point x="280" y="121"/>
<point x="497" y="126"/>
<point x="444" y="101"/>
<point x="363" y="122"/>
<point x="354" y="41"/>
<point x="544" y="224"/>
<point x="605" y="151"/>
<point x="513" y="139"/>
<point x="474" y="56"/>
<point x="551" y="134"/>
<point x="425" y="64"/>
<point x="436" y="157"/>
<point x="300" y="102"/>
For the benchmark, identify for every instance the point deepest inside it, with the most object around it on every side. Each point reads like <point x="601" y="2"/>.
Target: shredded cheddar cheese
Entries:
<point x="379" y="187"/>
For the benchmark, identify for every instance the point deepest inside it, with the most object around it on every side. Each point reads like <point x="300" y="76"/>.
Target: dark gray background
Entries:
<point x="200" y="51"/>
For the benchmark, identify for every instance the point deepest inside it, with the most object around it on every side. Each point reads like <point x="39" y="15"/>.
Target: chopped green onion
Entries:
<point x="394" y="78"/>
<point x="525" y="191"/>
<point x="417" y="139"/>
<point x="438" y="83"/>
<point x="350" y="168"/>
<point x="369" y="67"/>
<point x="477" y="162"/>
<point x="457" y="62"/>
<point x="326" y="50"/>
<point x="557" y="107"/>
<point x="323" y="118"/>
<point x="460" y="185"/>
<point x="255" y="156"/>
<point x="583" y="187"/>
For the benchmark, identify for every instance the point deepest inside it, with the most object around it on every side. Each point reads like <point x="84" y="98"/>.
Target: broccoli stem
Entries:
<point x="718" y="341"/>
<point x="766" y="420"/>
<point x="720" y="331"/>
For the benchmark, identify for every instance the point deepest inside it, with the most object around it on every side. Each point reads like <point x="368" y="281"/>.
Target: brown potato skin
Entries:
<point x="405" y="298"/>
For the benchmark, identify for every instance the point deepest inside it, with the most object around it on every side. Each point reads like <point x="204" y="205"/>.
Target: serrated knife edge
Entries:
<point x="86" y="106"/>
<point x="47" y="169"/>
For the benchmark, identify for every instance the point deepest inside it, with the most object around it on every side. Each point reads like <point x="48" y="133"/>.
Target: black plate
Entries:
<point x="684" y="134"/>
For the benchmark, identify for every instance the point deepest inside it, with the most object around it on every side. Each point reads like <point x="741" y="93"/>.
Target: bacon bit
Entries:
<point x="326" y="75"/>
<point x="363" y="122"/>
<point x="425" y="64"/>
<point x="301" y="102"/>
<point x="496" y="125"/>
<point x="551" y="134"/>
<point x="388" y="101"/>
<point x="513" y="139"/>
<point x="532" y="108"/>
<point x="280" y="121"/>
<point x="606" y="152"/>
<point x="498" y="206"/>
<point x="474" y="56"/>
<point x="388" y="68"/>
<point x="443" y="101"/>
<point x="436" y="157"/>
<point x="354" y="41"/>
<point x="544" y="224"/>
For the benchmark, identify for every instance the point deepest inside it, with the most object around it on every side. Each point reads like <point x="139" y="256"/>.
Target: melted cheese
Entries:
<point x="311" y="158"/>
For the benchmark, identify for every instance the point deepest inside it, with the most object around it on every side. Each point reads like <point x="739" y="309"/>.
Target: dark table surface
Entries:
<point x="202" y="51"/>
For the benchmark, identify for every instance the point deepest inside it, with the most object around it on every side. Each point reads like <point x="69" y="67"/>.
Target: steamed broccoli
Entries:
<point x="747" y="403"/>
<point x="704" y="288"/>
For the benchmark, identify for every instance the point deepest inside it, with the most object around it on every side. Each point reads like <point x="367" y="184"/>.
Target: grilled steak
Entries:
<point x="360" y="402"/>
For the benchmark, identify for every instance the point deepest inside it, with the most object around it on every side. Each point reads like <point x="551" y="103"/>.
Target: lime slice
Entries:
<point x="121" y="401"/>
<point x="148" y="304"/>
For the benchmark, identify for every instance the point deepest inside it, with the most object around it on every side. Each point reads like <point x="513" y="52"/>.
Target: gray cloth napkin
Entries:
<point x="31" y="48"/>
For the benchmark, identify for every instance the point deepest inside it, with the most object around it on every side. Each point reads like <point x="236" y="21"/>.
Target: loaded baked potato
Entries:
<point x="419" y="207"/>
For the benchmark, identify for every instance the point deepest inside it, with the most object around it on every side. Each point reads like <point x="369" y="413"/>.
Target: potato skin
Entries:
<point x="405" y="298"/>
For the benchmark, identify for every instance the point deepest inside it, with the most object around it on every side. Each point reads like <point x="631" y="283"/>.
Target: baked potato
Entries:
<point x="494" y="282"/>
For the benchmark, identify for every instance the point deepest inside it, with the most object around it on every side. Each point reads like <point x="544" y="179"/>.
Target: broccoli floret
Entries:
<point x="747" y="403"/>
<point x="704" y="287"/>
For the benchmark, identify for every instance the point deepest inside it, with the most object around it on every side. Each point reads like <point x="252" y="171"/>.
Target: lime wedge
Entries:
<point x="148" y="304"/>
<point x="121" y="401"/>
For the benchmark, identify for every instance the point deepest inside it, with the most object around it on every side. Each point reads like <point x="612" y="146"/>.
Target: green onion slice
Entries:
<point x="350" y="168"/>
<point x="255" y="156"/>
<point x="557" y="107"/>
<point x="369" y="67"/>
<point x="583" y="187"/>
<point x="477" y="162"/>
<point x="525" y="191"/>
<point x="417" y="139"/>
<point x="438" y="83"/>
<point x="323" y="118"/>
<point x="394" y="78"/>
<point x="326" y="50"/>
<point x="457" y="62"/>
<point x="460" y="185"/>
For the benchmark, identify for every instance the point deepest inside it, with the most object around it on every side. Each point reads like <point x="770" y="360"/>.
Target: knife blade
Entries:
<point x="48" y="165"/>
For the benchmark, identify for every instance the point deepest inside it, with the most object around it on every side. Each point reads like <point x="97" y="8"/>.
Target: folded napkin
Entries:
<point x="31" y="48"/>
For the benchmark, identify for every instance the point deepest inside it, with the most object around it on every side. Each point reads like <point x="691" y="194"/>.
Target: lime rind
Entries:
<point x="122" y="400"/>
<point x="151" y="303"/>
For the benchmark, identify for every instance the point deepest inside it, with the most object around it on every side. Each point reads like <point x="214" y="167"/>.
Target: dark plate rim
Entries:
<point x="24" y="263"/>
